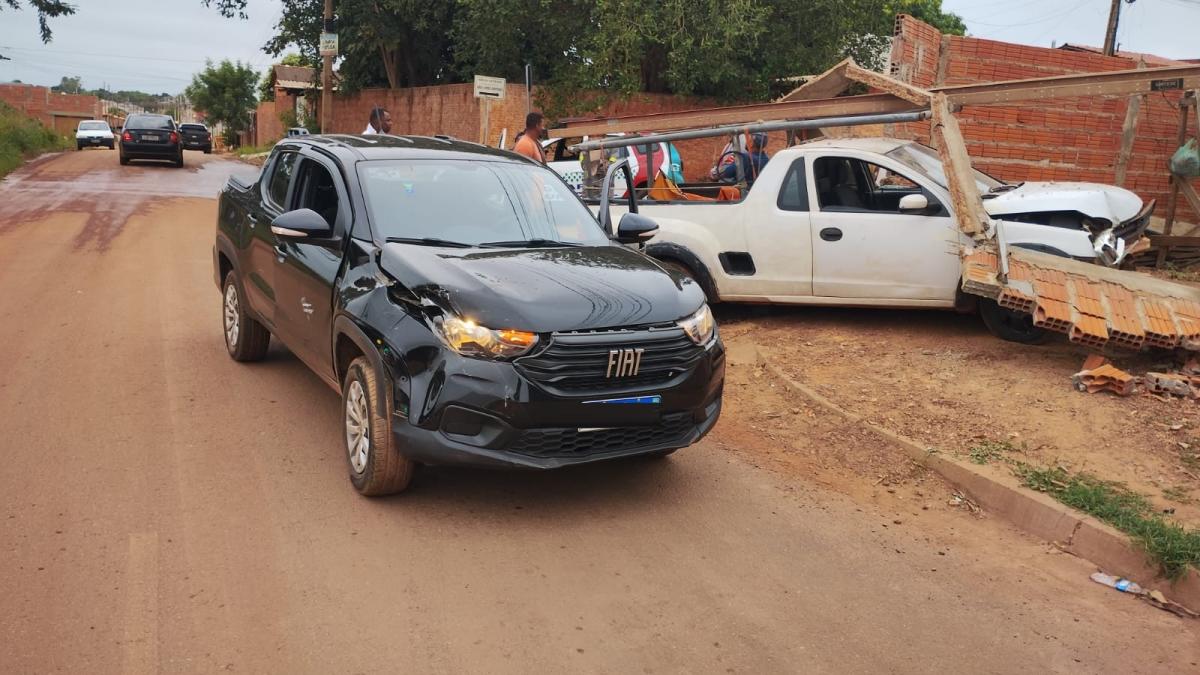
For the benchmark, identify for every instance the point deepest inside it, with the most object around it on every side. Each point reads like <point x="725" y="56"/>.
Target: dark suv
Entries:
<point x="147" y="136"/>
<point x="466" y="305"/>
<point x="196" y="137"/>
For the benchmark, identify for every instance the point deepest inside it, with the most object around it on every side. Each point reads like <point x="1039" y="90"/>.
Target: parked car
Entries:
<point x="148" y="136"/>
<point x="868" y="222"/>
<point x="94" y="133"/>
<point x="466" y="304"/>
<point x="645" y="162"/>
<point x="196" y="137"/>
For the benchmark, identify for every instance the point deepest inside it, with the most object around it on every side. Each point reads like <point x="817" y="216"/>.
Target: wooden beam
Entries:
<point x="1128" y="131"/>
<point x="964" y="192"/>
<point x="888" y="85"/>
<point x="1172" y="240"/>
<point x="1173" y="196"/>
<point x="1114" y="83"/>
<point x="870" y="104"/>
<point x="826" y="85"/>
<point x="1188" y="192"/>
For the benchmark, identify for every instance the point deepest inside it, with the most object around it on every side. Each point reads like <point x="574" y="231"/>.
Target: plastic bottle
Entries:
<point x="1119" y="583"/>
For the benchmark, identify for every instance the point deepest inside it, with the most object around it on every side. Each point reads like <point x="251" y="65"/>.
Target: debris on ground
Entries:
<point x="1099" y="375"/>
<point x="1120" y="583"/>
<point x="958" y="499"/>
<point x="1155" y="598"/>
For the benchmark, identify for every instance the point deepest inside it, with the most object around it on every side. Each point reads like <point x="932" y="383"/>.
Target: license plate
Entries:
<point x="148" y="137"/>
<point x="96" y="141"/>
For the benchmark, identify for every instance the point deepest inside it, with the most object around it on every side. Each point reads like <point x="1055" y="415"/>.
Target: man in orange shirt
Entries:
<point x="529" y="144"/>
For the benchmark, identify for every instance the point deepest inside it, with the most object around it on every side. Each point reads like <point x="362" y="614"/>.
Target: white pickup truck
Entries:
<point x="867" y="222"/>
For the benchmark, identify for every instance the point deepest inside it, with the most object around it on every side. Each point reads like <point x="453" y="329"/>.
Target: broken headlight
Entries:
<point x="700" y="326"/>
<point x="470" y="339"/>
<point x="1109" y="248"/>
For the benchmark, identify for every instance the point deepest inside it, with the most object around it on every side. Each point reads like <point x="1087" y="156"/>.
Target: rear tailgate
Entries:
<point x="195" y="135"/>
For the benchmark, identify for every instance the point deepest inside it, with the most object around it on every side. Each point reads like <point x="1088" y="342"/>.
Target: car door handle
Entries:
<point x="253" y="219"/>
<point x="831" y="234"/>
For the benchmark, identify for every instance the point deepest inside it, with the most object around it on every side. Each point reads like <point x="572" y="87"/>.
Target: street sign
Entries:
<point x="329" y="44"/>
<point x="489" y="87"/>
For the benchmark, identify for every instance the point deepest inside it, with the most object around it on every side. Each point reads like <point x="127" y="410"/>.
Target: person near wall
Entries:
<point x="529" y="143"/>
<point x="379" y="121"/>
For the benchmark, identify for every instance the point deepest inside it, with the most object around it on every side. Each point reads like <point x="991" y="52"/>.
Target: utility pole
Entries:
<point x="327" y="75"/>
<point x="1110" y="34"/>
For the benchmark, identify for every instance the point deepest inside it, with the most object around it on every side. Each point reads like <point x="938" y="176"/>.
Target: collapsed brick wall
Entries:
<point x="60" y="112"/>
<point x="1068" y="138"/>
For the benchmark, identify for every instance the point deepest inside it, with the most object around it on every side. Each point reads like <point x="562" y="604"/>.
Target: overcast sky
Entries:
<point x="141" y="44"/>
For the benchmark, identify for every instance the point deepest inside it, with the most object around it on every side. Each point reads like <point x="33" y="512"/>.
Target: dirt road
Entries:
<point x="165" y="509"/>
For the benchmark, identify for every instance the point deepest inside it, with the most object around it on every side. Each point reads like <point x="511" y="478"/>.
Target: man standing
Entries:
<point x="529" y="144"/>
<point x="379" y="122"/>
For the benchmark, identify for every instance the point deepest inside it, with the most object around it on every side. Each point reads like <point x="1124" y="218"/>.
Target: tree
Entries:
<point x="68" y="85"/>
<point x="225" y="93"/>
<point x="929" y="11"/>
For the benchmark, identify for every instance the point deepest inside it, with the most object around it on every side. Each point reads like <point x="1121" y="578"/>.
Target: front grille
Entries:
<point x="576" y="443"/>
<point x="576" y="364"/>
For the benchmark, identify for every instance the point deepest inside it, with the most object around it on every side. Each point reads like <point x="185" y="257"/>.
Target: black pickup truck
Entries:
<point x="466" y="305"/>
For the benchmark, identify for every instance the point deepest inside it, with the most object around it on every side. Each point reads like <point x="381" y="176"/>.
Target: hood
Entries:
<point x="1093" y="200"/>
<point x="544" y="290"/>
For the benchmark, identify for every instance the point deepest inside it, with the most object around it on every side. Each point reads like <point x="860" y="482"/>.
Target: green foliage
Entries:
<point x="226" y="94"/>
<point x="987" y="451"/>
<point x="69" y="85"/>
<point x="929" y="11"/>
<point x="1170" y="545"/>
<point x="22" y="138"/>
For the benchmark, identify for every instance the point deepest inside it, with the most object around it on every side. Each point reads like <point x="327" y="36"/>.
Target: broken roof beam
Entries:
<point x="973" y="220"/>
<point x="839" y="78"/>
<point x="870" y="104"/>
<point x="1114" y="83"/>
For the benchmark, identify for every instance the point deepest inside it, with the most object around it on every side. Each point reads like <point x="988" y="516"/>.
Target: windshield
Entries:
<point x="149" y="122"/>
<point x="926" y="160"/>
<point x="93" y="126"/>
<point x="474" y="202"/>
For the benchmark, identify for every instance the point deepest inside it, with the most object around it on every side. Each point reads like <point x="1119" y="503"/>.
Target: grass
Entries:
<point x="253" y="149"/>
<point x="1178" y="494"/>
<point x="987" y="451"/>
<point x="1171" y="546"/>
<point x="22" y="138"/>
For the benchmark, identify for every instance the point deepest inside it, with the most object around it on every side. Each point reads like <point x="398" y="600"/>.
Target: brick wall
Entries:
<point x="1069" y="138"/>
<point x="61" y="112"/>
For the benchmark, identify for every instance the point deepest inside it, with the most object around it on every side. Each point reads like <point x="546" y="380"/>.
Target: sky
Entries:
<point x="145" y="45"/>
<point x="138" y="44"/>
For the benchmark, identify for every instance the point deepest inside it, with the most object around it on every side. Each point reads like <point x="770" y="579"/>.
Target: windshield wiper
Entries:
<point x="528" y="243"/>
<point x="428" y="241"/>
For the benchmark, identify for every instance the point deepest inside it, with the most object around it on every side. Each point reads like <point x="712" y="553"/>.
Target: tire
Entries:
<point x="208" y="151"/>
<point x="245" y="338"/>
<point x="124" y="160"/>
<point x="1009" y="325"/>
<point x="376" y="467"/>
<point x="179" y="160"/>
<point x="79" y="147"/>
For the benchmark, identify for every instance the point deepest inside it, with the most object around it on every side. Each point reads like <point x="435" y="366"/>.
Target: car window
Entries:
<point x="473" y="202"/>
<point x="851" y="184"/>
<point x="793" y="196"/>
<point x="317" y="191"/>
<point x="281" y="177"/>
<point x="93" y="126"/>
<point x="149" y="122"/>
<point x="925" y="160"/>
<point x="193" y="127"/>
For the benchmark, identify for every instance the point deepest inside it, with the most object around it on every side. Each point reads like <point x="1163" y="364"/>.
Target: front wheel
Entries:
<point x="245" y="338"/>
<point x="376" y="466"/>
<point x="1009" y="325"/>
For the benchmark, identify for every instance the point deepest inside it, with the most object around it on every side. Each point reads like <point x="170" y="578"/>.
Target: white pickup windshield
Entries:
<point x="474" y="202"/>
<point x="926" y="160"/>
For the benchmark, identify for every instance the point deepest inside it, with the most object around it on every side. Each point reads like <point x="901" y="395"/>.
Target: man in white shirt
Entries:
<point x="379" y="122"/>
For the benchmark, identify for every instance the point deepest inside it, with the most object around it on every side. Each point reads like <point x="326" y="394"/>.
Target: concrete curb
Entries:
<point x="1034" y="512"/>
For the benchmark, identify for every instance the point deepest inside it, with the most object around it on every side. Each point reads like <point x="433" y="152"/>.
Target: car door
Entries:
<point x="865" y="247"/>
<point x="778" y="235"/>
<point x="306" y="270"/>
<point x="275" y="190"/>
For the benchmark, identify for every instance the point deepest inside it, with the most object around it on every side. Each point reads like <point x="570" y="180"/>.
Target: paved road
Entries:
<point x="165" y="509"/>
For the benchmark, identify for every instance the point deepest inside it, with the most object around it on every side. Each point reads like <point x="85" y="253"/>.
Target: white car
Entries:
<point x="868" y="222"/>
<point x="94" y="133"/>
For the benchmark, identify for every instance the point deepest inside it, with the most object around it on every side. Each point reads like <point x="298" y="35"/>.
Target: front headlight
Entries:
<point x="699" y="326"/>
<point x="470" y="339"/>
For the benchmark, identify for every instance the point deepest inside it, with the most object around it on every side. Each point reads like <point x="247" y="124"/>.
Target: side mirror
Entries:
<point x="914" y="203"/>
<point x="606" y="193"/>
<point x="636" y="229"/>
<point x="301" y="224"/>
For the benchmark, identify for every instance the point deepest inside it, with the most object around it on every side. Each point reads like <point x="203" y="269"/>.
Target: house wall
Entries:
<point x="61" y="112"/>
<point x="1068" y="138"/>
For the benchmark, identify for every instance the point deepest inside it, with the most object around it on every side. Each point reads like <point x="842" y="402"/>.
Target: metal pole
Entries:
<point x="528" y="88"/>
<point x="625" y="141"/>
<point x="327" y="75"/>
